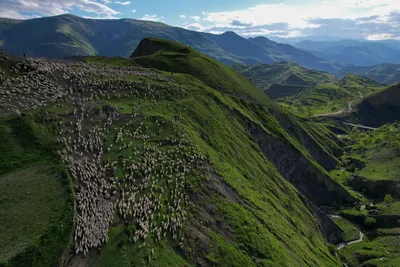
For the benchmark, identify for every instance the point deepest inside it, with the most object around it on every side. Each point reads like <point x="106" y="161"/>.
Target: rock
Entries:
<point x="375" y="189"/>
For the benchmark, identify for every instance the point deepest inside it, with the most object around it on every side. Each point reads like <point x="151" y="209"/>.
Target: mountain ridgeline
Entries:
<point x="354" y="52"/>
<point x="69" y="35"/>
<point x="193" y="165"/>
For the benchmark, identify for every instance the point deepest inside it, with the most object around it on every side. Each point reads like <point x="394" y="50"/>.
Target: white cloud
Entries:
<point x="182" y="16"/>
<point x="152" y="17"/>
<point x="195" y="18"/>
<point x="134" y="11"/>
<point x="123" y="3"/>
<point x="107" y="2"/>
<point x="380" y="36"/>
<point x="297" y="15"/>
<point x="195" y="27"/>
<point x="15" y="8"/>
<point x="309" y="18"/>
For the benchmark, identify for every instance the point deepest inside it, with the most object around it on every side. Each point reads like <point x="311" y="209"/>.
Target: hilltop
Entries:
<point x="305" y="91"/>
<point x="172" y="158"/>
<point x="69" y="35"/>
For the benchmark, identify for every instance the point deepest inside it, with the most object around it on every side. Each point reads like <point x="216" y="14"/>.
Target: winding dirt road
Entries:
<point x="343" y="244"/>
<point x="347" y="109"/>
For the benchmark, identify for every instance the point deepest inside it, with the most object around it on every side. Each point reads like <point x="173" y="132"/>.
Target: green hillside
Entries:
<point x="383" y="73"/>
<point x="371" y="168"/>
<point x="69" y="35"/>
<point x="6" y="24"/>
<point x="181" y="163"/>
<point x="308" y="92"/>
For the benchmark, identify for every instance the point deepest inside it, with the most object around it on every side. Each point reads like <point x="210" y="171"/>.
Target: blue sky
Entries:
<point x="369" y="19"/>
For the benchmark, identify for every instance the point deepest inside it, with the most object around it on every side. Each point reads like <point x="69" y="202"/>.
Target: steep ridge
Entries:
<point x="235" y="204"/>
<point x="291" y="126"/>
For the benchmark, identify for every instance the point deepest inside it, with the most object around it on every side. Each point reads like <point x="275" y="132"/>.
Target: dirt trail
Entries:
<point x="343" y="244"/>
<point x="347" y="109"/>
<point x="359" y="126"/>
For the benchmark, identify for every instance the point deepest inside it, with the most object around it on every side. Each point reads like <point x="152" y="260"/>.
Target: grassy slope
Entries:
<point x="352" y="232"/>
<point x="268" y="215"/>
<point x="378" y="153"/>
<point x="211" y="107"/>
<point x="379" y="150"/>
<point x="269" y="224"/>
<point x="37" y="204"/>
<point x="33" y="201"/>
<point x="307" y="92"/>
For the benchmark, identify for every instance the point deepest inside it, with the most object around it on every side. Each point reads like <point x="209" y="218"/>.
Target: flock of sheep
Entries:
<point x="122" y="163"/>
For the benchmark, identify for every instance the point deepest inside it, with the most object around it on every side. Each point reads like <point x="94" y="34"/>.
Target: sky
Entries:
<point x="356" y="19"/>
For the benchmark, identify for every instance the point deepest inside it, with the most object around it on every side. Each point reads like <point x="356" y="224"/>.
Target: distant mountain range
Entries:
<point x="66" y="35"/>
<point x="383" y="73"/>
<point x="363" y="53"/>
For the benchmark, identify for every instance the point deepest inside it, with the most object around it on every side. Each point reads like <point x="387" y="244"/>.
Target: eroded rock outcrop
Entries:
<point x="295" y="167"/>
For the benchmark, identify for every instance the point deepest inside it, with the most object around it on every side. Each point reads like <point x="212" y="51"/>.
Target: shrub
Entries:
<point x="369" y="221"/>
<point x="388" y="199"/>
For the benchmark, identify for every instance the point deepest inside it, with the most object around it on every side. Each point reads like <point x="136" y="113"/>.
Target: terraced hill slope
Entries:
<point x="308" y="92"/>
<point x="173" y="159"/>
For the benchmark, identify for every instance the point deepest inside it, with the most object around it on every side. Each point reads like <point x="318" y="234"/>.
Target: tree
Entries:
<point x="388" y="199"/>
<point x="369" y="221"/>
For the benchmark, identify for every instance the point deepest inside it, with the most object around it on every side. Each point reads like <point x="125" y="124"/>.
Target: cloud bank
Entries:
<point x="18" y="8"/>
<point x="369" y="19"/>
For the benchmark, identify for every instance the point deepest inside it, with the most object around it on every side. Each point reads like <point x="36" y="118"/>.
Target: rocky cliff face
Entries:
<point x="380" y="108"/>
<point x="310" y="180"/>
<point x="326" y="160"/>
<point x="333" y="233"/>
